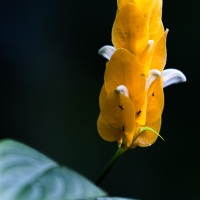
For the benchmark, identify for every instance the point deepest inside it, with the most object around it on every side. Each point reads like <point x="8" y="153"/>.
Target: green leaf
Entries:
<point x="26" y="174"/>
<point x="115" y="198"/>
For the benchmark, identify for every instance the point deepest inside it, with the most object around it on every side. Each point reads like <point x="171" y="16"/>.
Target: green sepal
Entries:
<point x="146" y="128"/>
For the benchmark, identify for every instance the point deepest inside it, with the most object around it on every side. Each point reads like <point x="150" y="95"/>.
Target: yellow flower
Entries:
<point x="132" y="97"/>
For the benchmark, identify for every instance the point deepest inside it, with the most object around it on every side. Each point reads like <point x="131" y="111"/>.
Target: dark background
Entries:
<point x="50" y="79"/>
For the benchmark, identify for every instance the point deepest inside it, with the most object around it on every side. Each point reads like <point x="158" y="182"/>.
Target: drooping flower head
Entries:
<point x="132" y="97"/>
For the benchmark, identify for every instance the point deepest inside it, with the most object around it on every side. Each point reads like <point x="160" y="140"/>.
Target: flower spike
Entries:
<point x="132" y="96"/>
<point x="131" y="100"/>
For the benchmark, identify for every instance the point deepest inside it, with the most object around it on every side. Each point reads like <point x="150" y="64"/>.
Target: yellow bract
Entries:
<point x="116" y="118"/>
<point x="156" y="28"/>
<point x="135" y="37"/>
<point x="140" y="41"/>
<point x="124" y="69"/>
<point x="160" y="53"/>
<point x="155" y="101"/>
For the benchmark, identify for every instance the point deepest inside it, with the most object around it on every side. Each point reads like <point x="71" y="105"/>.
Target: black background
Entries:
<point x="50" y="79"/>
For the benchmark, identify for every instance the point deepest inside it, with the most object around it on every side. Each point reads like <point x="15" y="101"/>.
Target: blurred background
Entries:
<point x="50" y="79"/>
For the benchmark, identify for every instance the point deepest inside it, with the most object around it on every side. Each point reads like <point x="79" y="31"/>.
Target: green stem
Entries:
<point x="110" y="164"/>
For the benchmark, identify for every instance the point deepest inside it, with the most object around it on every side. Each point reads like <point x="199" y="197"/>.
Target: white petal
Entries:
<point x="107" y="51"/>
<point x="123" y="90"/>
<point x="153" y="74"/>
<point x="172" y="76"/>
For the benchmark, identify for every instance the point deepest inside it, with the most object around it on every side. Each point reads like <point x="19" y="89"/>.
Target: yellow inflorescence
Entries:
<point x="129" y="99"/>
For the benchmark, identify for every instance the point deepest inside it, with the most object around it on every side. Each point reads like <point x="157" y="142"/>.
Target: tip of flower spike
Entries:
<point x="146" y="128"/>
